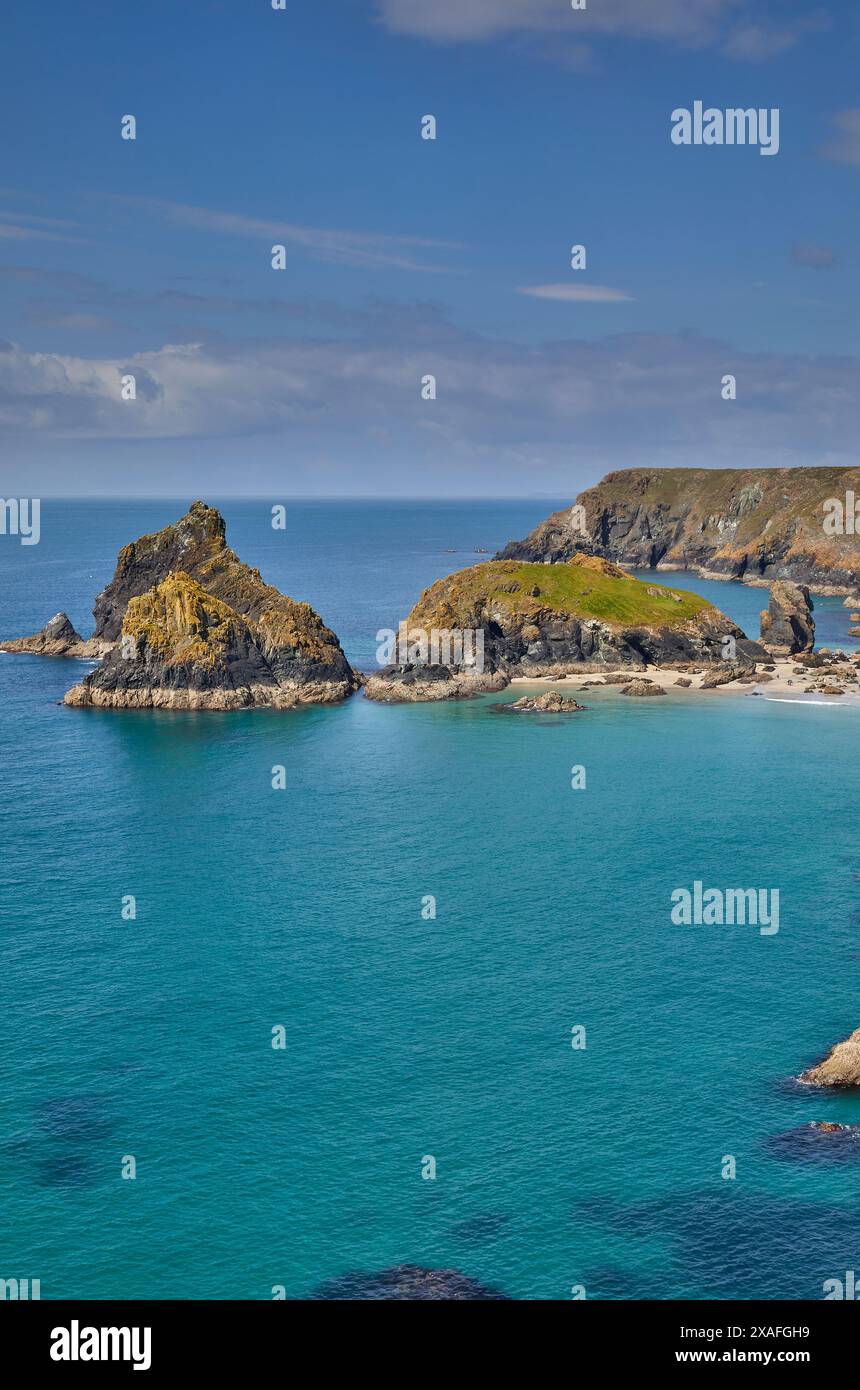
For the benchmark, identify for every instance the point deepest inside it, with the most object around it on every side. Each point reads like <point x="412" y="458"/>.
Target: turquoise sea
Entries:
<point x="406" y="1037"/>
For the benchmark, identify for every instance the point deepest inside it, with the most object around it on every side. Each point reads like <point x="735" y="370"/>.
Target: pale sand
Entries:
<point x="782" y="685"/>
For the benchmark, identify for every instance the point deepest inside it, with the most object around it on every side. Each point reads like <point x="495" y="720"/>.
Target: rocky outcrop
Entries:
<point x="787" y="625"/>
<point x="756" y="525"/>
<point x="642" y="687"/>
<point x="57" y="638"/>
<point x="537" y="621"/>
<point x="841" y="1066"/>
<point x="181" y="648"/>
<point x="550" y="703"/>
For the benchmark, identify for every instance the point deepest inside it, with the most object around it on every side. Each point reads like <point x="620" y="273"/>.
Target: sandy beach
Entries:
<point x="784" y="682"/>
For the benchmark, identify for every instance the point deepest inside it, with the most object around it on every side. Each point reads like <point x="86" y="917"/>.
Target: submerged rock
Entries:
<point x="818" y="1142"/>
<point x="57" y="638"/>
<point x="787" y="625"/>
<point x="407" y="1282"/>
<point x="841" y="1066"/>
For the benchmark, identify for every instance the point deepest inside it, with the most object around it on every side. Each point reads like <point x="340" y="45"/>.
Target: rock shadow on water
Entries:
<point x="406" y="1282"/>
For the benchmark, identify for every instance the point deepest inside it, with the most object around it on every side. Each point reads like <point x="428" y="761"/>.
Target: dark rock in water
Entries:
<point x="787" y="625"/>
<point x="406" y="1282"/>
<point x="819" y="1142"/>
<point x="57" y="638"/>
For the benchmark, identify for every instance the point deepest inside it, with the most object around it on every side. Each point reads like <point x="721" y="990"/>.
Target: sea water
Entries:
<point x="558" y="1167"/>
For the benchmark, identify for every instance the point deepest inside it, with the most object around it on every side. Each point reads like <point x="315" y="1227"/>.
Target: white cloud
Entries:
<point x="625" y="397"/>
<point x="581" y="294"/>
<point x="736" y="26"/>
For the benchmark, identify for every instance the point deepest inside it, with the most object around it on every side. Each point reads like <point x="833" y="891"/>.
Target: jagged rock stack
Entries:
<point x="184" y="624"/>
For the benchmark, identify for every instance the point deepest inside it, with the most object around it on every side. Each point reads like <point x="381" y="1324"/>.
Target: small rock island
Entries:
<point x="538" y="621"/>
<point x="184" y="624"/>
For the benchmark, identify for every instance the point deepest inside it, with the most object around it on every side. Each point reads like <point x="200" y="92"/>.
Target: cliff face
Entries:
<point x="751" y="524"/>
<point x="182" y="648"/>
<point x="587" y="615"/>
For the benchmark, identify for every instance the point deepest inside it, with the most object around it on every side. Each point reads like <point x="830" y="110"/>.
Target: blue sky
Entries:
<point x="407" y="257"/>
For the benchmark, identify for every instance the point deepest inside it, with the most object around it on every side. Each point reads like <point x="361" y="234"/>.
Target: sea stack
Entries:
<point x="787" y="625"/>
<point x="187" y="625"/>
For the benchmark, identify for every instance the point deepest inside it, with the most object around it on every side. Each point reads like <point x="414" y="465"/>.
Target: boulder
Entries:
<point x="643" y="687"/>
<point x="550" y="703"/>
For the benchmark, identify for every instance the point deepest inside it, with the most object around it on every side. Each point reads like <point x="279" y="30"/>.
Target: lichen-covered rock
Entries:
<point x="182" y="648"/>
<point x="787" y="625"/>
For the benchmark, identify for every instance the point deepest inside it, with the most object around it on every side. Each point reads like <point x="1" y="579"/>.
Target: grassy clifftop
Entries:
<point x="587" y="588"/>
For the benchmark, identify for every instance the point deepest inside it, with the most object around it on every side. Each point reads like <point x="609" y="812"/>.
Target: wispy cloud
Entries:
<point x="815" y="257"/>
<point x="844" y="147"/>
<point x="737" y="27"/>
<point x="576" y="294"/>
<point x="362" y="249"/>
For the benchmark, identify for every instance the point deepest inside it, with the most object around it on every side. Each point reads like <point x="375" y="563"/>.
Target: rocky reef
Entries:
<point x="756" y="525"/>
<point x="184" y="624"/>
<point x="535" y="621"/>
<point x="841" y="1066"/>
<point x="407" y="1282"/>
<point x="787" y="625"/>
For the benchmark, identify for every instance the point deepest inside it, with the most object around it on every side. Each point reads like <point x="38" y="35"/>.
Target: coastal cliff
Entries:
<point x="184" y="624"/>
<point x="756" y="525"/>
<point x="534" y="620"/>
